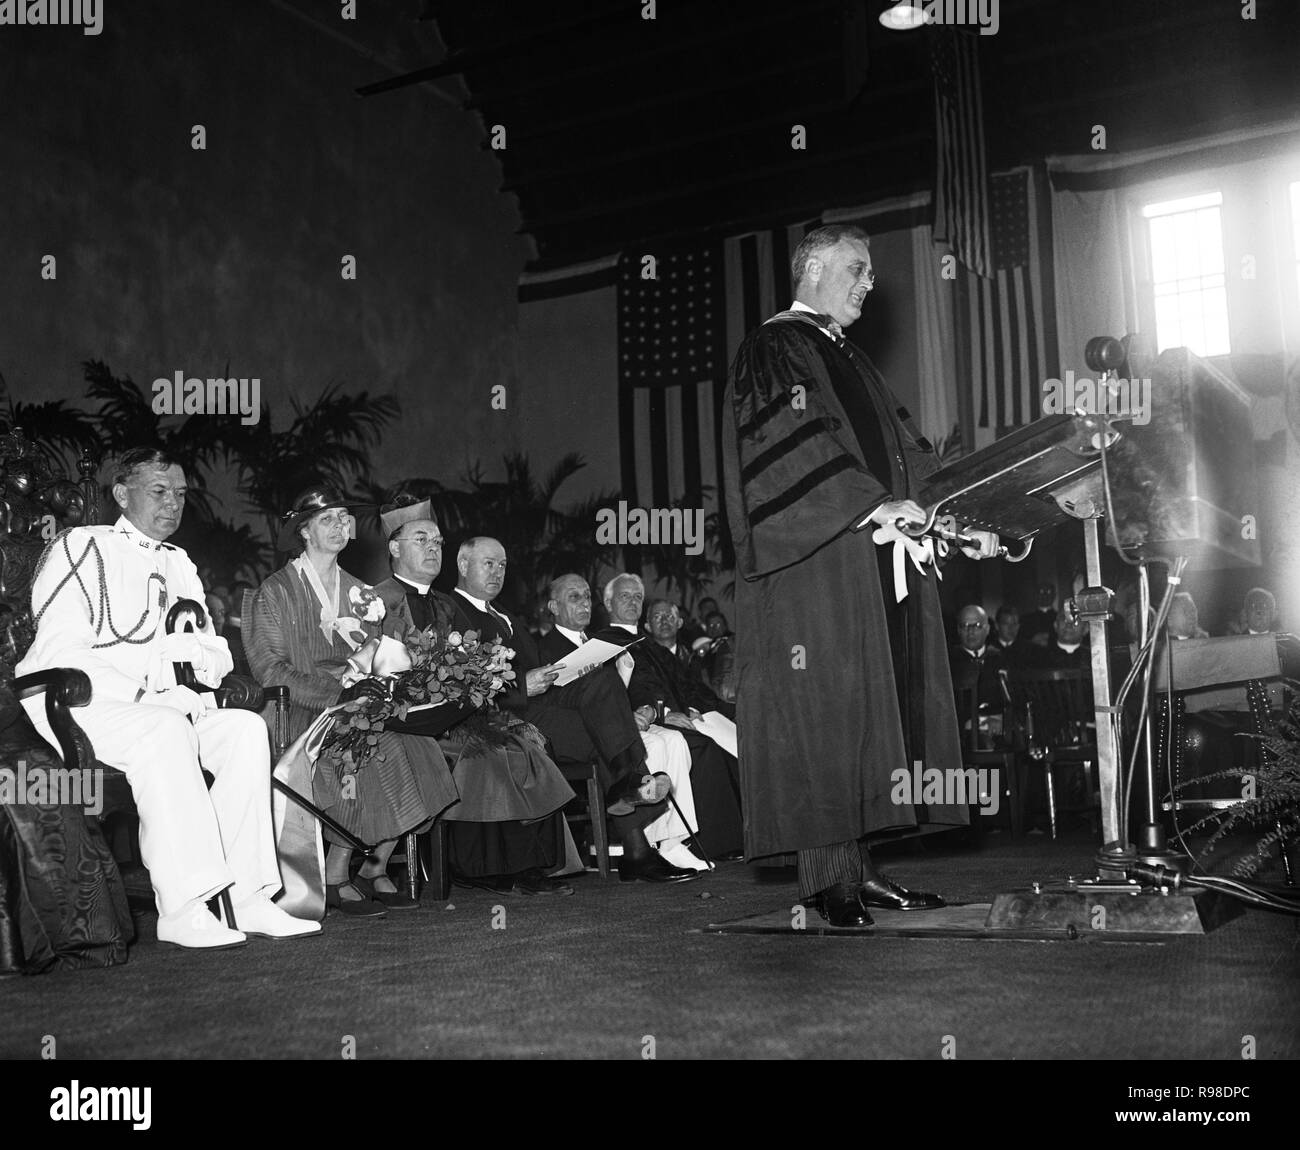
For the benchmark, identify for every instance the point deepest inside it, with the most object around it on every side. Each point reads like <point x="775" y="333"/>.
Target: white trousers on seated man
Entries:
<point x="195" y="841"/>
<point x="667" y="751"/>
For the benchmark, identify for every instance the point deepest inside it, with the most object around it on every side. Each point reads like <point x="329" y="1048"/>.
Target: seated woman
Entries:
<point x="301" y="633"/>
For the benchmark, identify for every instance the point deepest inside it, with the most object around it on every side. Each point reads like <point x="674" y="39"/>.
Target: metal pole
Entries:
<point x="1107" y="743"/>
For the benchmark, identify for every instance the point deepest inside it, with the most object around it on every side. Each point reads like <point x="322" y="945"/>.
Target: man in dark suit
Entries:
<point x="569" y="603"/>
<point x="1006" y="636"/>
<point x="659" y="676"/>
<point x="974" y="660"/>
<point x="481" y="563"/>
<point x="679" y="676"/>
<point x="502" y="855"/>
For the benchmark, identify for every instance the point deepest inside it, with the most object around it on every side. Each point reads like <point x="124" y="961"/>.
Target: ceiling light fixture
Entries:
<point x="903" y="17"/>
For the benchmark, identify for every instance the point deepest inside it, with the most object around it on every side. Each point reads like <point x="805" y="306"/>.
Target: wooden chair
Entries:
<point x="979" y="752"/>
<point x="1059" y="722"/>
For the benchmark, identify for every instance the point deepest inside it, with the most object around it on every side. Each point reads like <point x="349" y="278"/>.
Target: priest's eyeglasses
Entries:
<point x="422" y="539"/>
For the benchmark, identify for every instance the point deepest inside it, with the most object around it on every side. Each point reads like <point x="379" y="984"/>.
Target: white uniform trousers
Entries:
<point x="667" y="751"/>
<point x="195" y="841"/>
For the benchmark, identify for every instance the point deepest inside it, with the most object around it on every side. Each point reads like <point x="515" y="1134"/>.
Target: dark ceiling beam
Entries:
<point x="1157" y="30"/>
<point x="1103" y="101"/>
<point x="486" y="95"/>
<point x="688" y="191"/>
<point x="791" y="211"/>
<point x="458" y="61"/>
<point x="682" y="98"/>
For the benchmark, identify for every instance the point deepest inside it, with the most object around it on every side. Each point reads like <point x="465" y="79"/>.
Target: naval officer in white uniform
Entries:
<point x="100" y="599"/>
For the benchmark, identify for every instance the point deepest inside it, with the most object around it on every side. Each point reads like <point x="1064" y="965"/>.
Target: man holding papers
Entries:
<point x="650" y="681"/>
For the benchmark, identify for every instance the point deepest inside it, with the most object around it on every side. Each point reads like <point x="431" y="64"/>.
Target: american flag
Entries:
<point x="671" y="352"/>
<point x="1008" y="328"/>
<point x="677" y="335"/>
<point x="961" y="195"/>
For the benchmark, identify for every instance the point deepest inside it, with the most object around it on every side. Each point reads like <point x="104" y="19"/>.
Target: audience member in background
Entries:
<point x="677" y="676"/>
<point x="1006" y="636"/>
<point x="1182" y="621"/>
<point x="658" y="677"/>
<point x="717" y="660"/>
<point x="696" y="627"/>
<point x="301" y="631"/>
<point x="1036" y="626"/>
<point x="1259" y="611"/>
<point x="975" y="661"/>
<point x="219" y="610"/>
<point x="1068" y="646"/>
<point x="658" y="826"/>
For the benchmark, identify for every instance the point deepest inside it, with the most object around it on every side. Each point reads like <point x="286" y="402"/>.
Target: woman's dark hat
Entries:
<point x="310" y="502"/>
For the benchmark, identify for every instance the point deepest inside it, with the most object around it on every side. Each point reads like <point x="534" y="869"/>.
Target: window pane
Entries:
<point x="1187" y="271"/>
<point x="1164" y="258"/>
<point x="1210" y="254"/>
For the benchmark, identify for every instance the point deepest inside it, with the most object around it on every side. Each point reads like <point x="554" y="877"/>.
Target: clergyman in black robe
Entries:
<point x="840" y="685"/>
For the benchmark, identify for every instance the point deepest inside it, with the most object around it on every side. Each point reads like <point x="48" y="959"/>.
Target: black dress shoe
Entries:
<point x="651" y="869"/>
<point x="839" y="905"/>
<point x="495" y="884"/>
<point x="534" y="882"/>
<point x="356" y="907"/>
<point x="393" y="899"/>
<point x="633" y="791"/>
<point x="888" y="895"/>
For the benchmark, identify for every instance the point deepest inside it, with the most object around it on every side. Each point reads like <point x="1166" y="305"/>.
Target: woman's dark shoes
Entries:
<point x="359" y="907"/>
<point x="633" y="791"/>
<point x="888" y="895"/>
<point x="392" y="899"/>
<point x="840" y="906"/>
<point x="651" y="868"/>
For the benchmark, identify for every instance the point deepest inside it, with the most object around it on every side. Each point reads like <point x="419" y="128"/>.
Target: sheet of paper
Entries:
<point x="719" y="728"/>
<point x="587" y="658"/>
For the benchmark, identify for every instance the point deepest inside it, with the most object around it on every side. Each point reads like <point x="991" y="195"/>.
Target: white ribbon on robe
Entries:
<point x="921" y="551"/>
<point x="331" y="622"/>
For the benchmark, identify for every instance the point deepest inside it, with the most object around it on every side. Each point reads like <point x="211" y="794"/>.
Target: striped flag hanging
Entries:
<point x="677" y="335"/>
<point x="1010" y="329"/>
<point x="961" y="199"/>
<point x="671" y="350"/>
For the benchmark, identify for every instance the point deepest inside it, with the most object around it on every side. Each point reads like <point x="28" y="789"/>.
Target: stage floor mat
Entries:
<point x="961" y="920"/>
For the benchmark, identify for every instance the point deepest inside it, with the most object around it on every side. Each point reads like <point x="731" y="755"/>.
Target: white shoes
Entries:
<point x="261" y="917"/>
<point x="193" y="926"/>
<point x="678" y="854"/>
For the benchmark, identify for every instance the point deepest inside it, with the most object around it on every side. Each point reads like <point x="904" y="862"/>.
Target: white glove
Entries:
<point x="209" y="655"/>
<point x="181" y="699"/>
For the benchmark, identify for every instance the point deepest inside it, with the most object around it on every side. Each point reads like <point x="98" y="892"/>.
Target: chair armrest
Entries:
<point x="65" y="687"/>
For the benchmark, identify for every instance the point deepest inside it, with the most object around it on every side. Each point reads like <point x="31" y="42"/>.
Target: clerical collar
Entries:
<point x="422" y="588"/>
<point x="132" y="532"/>
<point x="627" y="627"/>
<point x="976" y="654"/>
<point x="1069" y="648"/>
<point x="574" y="637"/>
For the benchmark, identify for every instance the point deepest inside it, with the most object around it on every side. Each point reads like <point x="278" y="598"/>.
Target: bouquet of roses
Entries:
<point x="424" y="670"/>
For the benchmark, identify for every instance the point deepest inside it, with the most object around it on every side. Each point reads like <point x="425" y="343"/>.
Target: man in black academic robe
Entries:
<point x="843" y="689"/>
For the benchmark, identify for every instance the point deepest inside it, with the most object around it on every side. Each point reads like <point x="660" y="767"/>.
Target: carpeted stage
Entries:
<point x="602" y="973"/>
